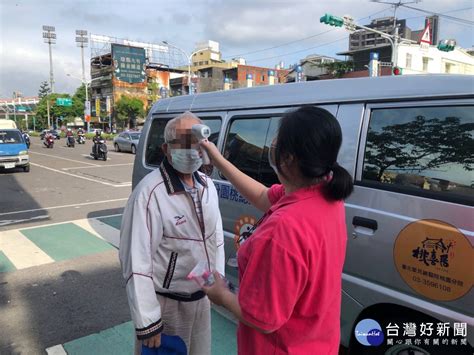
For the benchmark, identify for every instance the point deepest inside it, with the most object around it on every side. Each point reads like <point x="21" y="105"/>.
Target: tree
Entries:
<point x="78" y="101"/>
<point x="44" y="89"/>
<point x="339" y="68"/>
<point x="129" y="108"/>
<point x="419" y="145"/>
<point x="55" y="111"/>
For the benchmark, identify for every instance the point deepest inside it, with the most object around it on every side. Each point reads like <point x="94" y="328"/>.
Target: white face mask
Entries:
<point x="186" y="161"/>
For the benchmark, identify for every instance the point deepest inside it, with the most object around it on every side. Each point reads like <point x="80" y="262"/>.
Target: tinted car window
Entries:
<point x="154" y="154"/>
<point x="135" y="136"/>
<point x="247" y="144"/>
<point x="422" y="149"/>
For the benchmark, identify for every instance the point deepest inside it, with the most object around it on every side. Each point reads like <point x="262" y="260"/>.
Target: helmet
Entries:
<point x="69" y="130"/>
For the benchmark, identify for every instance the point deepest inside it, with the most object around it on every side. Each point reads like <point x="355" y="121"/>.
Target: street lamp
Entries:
<point x="188" y="57"/>
<point x="49" y="36"/>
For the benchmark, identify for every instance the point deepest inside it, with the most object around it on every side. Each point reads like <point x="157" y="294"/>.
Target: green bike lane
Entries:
<point x="30" y="247"/>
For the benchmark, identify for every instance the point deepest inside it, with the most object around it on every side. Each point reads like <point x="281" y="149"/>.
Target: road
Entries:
<point x="64" y="184"/>
<point x="55" y="287"/>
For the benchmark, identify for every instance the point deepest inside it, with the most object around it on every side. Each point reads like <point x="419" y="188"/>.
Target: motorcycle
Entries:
<point x="26" y="137"/>
<point x="81" y="139"/>
<point x="99" y="150"/>
<point x="70" y="141"/>
<point x="49" y="142"/>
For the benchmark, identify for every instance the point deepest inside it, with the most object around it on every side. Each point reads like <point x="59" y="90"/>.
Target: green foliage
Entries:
<point x="128" y="108"/>
<point x="44" y="89"/>
<point x="78" y="100"/>
<point x="338" y="69"/>
<point x="54" y="110"/>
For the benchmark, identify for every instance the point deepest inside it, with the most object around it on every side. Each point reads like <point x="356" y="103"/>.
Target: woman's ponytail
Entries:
<point x="340" y="186"/>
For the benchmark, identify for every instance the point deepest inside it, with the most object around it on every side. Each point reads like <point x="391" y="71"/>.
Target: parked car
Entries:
<point x="55" y="133"/>
<point x="13" y="150"/>
<point x="127" y="141"/>
<point x="407" y="142"/>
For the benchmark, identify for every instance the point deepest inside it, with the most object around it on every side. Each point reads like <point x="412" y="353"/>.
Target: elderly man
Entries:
<point x="170" y="223"/>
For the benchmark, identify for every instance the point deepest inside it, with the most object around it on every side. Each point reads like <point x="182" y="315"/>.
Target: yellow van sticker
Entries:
<point x="242" y="228"/>
<point x="435" y="259"/>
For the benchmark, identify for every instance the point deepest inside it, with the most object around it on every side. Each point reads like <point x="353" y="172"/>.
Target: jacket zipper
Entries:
<point x="203" y="228"/>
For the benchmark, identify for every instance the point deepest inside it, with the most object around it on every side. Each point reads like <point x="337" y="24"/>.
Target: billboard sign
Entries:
<point x="129" y="63"/>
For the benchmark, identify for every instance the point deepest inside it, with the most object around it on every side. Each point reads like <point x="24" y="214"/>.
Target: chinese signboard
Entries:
<point x="129" y="63"/>
<point x="97" y="107"/>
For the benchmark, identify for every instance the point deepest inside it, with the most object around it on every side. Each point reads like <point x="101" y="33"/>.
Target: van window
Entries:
<point x="422" y="149"/>
<point x="10" y="137"/>
<point x="247" y="144"/>
<point x="156" y="137"/>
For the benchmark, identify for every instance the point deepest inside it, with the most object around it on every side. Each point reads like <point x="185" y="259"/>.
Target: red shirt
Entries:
<point x="290" y="274"/>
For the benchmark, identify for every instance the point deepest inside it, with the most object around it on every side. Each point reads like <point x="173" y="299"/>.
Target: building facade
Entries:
<point x="363" y="39"/>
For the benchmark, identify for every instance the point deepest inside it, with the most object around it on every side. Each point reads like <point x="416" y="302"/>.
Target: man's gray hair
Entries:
<point x="170" y="128"/>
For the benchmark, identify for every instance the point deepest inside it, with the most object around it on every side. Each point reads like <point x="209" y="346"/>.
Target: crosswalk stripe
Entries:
<point x="100" y="230"/>
<point x="21" y="251"/>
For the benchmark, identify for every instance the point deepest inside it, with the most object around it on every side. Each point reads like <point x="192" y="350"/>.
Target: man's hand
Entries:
<point x="153" y="342"/>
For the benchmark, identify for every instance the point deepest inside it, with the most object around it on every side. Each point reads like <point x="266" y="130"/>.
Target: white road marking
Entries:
<point x="21" y="251"/>
<point x="125" y="184"/>
<point x="64" y="206"/>
<point x="56" y="350"/>
<point x="55" y="156"/>
<point x="6" y="222"/>
<point x="100" y="229"/>
<point x="100" y="166"/>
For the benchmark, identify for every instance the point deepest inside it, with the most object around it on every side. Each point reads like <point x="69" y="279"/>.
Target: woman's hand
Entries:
<point x="211" y="150"/>
<point x="218" y="291"/>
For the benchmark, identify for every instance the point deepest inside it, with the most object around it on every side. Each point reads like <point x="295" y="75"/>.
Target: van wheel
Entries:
<point x="117" y="149"/>
<point x="134" y="150"/>
<point x="26" y="169"/>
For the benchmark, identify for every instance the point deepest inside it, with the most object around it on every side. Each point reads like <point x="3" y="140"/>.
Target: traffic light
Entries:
<point x="397" y="71"/>
<point x="447" y="45"/>
<point x="332" y="20"/>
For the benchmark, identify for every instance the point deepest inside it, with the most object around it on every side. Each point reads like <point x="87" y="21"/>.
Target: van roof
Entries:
<point x="323" y="91"/>
<point x="7" y="124"/>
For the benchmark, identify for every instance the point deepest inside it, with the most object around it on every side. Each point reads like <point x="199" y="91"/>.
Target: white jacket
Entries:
<point x="161" y="241"/>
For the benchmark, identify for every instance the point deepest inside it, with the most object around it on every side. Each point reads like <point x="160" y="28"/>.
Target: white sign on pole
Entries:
<point x="425" y="40"/>
<point x="87" y="108"/>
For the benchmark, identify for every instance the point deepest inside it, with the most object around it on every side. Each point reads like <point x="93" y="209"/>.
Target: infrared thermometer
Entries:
<point x="202" y="132"/>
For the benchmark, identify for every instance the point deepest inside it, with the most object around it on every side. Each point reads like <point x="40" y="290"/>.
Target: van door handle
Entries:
<point x="364" y="226"/>
<point x="365" y="222"/>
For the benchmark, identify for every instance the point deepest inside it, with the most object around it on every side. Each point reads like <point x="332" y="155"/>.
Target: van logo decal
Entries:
<point x="435" y="259"/>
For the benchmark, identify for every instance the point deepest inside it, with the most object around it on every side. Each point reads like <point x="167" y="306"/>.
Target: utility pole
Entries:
<point x="50" y="37"/>
<point x="348" y="23"/>
<point x="81" y="41"/>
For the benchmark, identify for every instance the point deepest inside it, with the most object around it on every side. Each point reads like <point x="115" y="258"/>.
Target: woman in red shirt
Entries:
<point x="290" y="268"/>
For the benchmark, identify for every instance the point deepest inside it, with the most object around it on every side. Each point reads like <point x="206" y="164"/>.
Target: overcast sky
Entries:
<point x="241" y="27"/>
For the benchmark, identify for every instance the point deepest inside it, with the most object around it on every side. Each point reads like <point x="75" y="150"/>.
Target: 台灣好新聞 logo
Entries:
<point x="368" y="332"/>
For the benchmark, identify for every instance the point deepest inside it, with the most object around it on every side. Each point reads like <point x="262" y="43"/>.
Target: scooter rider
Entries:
<point x="97" y="138"/>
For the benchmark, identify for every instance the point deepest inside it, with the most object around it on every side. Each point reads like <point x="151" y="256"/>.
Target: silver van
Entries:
<point x="408" y="142"/>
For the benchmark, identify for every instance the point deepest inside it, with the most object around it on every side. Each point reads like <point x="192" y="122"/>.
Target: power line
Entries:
<point x="299" y="51"/>
<point x="298" y="40"/>
<point x="327" y="43"/>
<point x="440" y="15"/>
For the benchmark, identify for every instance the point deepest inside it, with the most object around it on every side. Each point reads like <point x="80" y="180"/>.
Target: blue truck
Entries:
<point x="13" y="150"/>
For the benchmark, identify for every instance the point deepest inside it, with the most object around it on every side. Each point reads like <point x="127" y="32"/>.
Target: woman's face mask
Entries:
<point x="186" y="161"/>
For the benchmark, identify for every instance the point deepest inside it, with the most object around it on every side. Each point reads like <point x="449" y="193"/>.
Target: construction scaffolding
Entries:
<point x="163" y="54"/>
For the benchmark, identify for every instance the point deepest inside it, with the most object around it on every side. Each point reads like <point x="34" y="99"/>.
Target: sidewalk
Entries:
<point x="119" y="340"/>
